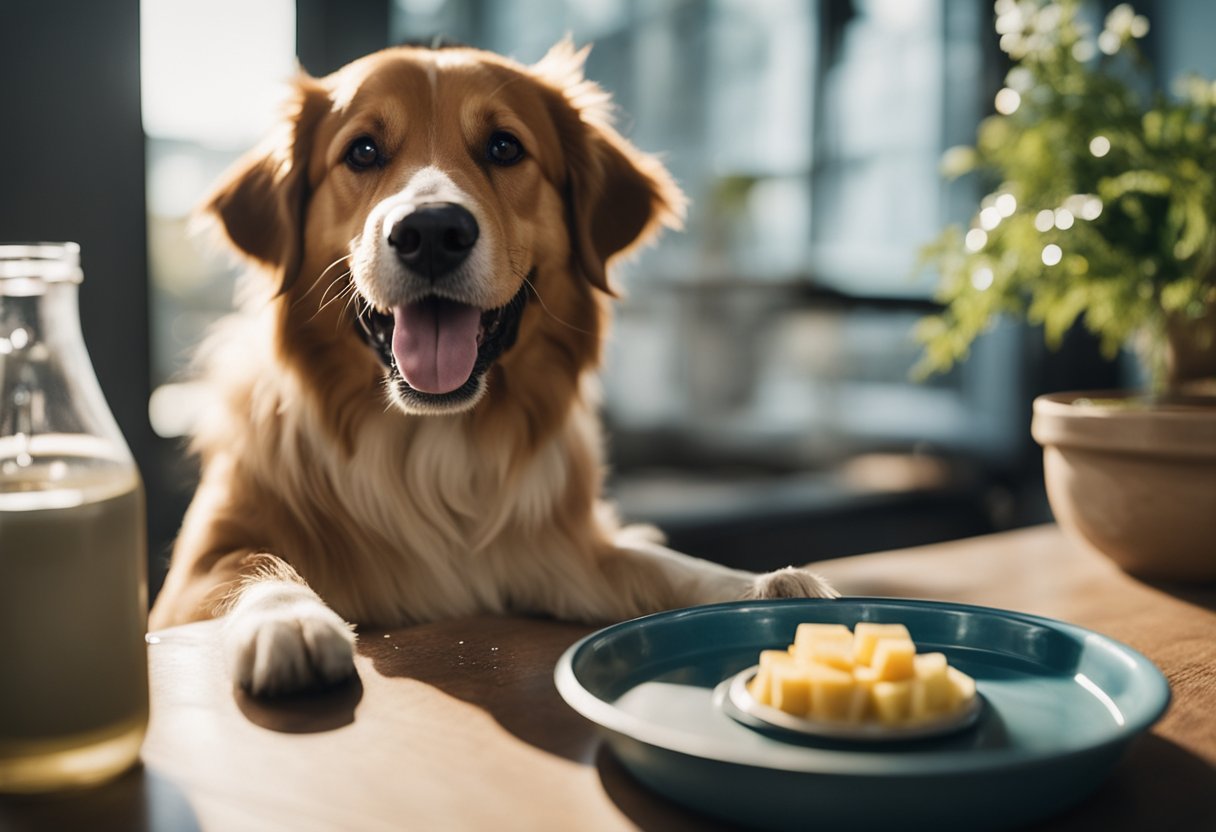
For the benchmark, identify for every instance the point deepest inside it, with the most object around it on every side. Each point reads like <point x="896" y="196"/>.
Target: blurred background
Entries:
<point x="758" y="396"/>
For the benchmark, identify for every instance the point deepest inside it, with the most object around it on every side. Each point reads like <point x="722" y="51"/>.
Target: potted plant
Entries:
<point x="1104" y="213"/>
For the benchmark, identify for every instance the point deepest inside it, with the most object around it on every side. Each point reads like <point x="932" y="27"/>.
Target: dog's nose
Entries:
<point x="434" y="238"/>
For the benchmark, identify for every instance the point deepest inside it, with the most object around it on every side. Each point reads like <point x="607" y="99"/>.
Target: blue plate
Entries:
<point x="1062" y="703"/>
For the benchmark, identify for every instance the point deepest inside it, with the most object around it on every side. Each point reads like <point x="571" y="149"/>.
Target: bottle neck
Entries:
<point x="38" y="301"/>
<point x="40" y="316"/>
<point x="49" y="394"/>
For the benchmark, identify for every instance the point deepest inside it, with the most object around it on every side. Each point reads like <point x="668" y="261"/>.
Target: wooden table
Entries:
<point x="458" y="726"/>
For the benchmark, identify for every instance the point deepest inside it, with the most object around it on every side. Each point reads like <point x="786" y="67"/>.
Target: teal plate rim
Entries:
<point x="1138" y="717"/>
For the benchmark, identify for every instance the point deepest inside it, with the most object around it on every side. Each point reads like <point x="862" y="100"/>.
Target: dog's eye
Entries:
<point x="362" y="154"/>
<point x="504" y="149"/>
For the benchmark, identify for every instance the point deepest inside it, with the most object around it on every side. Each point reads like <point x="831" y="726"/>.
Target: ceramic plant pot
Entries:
<point x="1190" y="354"/>
<point x="1133" y="478"/>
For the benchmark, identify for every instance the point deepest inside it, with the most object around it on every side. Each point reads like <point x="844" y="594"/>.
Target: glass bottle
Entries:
<point x="73" y="584"/>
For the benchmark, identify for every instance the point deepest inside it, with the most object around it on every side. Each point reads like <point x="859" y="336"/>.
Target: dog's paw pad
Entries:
<point x="790" y="583"/>
<point x="286" y="650"/>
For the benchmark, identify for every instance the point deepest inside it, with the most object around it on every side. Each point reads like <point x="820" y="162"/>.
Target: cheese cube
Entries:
<point x="831" y="692"/>
<point x="808" y="634"/>
<point x="867" y="634"/>
<point x="832" y="654"/>
<point x="931" y="688"/>
<point x="771" y="658"/>
<point x="761" y="686"/>
<point x="791" y="689"/>
<point x="893" y="659"/>
<point x="862" y="705"/>
<point x="962" y="687"/>
<point x="892" y="701"/>
<point x="830" y="644"/>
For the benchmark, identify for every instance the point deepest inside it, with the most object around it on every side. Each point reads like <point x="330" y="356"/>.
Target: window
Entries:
<point x="210" y="90"/>
<point x="808" y="136"/>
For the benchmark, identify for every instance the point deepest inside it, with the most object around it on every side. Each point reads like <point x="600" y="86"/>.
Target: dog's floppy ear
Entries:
<point x="617" y="198"/>
<point x="260" y="201"/>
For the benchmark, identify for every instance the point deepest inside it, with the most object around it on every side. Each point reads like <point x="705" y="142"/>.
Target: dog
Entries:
<point x="403" y="423"/>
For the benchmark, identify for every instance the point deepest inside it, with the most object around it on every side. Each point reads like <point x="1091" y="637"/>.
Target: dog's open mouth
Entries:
<point x="439" y="348"/>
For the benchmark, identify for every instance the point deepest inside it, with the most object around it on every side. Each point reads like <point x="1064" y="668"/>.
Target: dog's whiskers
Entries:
<point x="515" y="255"/>
<point x="353" y="299"/>
<point x="549" y="312"/>
<point x="346" y="290"/>
<point x="317" y="281"/>
<point x="328" y="286"/>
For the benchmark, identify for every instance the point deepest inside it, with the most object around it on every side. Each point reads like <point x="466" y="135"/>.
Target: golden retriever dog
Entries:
<point x="404" y="422"/>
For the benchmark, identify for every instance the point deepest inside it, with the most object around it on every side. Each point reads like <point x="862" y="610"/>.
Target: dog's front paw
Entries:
<point x="790" y="583"/>
<point x="281" y="639"/>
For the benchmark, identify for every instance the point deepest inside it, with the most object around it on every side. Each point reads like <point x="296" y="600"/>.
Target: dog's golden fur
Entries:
<point x="317" y="480"/>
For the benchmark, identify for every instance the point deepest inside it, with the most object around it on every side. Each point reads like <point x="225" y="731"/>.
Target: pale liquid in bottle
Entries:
<point x="73" y="664"/>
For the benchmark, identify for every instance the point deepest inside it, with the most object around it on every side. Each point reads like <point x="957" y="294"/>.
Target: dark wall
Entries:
<point x="332" y="33"/>
<point x="72" y="168"/>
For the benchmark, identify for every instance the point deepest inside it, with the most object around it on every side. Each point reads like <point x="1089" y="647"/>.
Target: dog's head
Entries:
<point x="467" y="208"/>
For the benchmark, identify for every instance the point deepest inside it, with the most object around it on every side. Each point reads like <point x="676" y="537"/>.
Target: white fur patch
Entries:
<point x="280" y="638"/>
<point x="790" y="583"/>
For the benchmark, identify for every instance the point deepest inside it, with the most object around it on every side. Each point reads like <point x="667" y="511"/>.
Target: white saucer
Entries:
<point x="736" y="700"/>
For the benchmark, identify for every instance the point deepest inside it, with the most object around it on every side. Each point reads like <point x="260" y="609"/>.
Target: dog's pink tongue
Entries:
<point x="435" y="343"/>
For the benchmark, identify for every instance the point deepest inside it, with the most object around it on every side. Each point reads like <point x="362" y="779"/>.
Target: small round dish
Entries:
<point x="737" y="702"/>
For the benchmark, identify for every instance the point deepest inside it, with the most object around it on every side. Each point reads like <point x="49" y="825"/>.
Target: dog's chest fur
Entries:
<point x="390" y="530"/>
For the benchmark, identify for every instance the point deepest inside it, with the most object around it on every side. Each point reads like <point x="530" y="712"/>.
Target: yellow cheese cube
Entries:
<point x="808" y="634"/>
<point x="930" y="664"/>
<point x="772" y="658"/>
<point x="867" y="635"/>
<point x="893" y="659"/>
<point x="931" y="689"/>
<point x="839" y="656"/>
<point x="831" y="692"/>
<point x="761" y="686"/>
<point x="962" y="687"/>
<point x="830" y="644"/>
<point x="862" y="705"/>
<point x="892" y="701"/>
<point x="791" y="689"/>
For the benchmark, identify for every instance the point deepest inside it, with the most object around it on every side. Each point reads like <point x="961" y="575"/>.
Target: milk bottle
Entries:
<point x="73" y="663"/>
